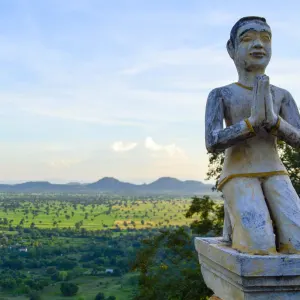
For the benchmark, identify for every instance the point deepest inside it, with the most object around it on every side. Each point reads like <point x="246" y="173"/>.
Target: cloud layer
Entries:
<point x="119" y="88"/>
<point x="172" y="150"/>
<point x="123" y="146"/>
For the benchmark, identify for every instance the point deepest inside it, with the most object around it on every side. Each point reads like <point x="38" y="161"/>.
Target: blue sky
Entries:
<point x="118" y="88"/>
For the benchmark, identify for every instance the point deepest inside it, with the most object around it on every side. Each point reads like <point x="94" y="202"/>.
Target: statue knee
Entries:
<point x="255" y="220"/>
<point x="253" y="232"/>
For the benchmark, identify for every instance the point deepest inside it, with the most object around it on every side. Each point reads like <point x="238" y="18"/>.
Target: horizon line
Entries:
<point x="16" y="182"/>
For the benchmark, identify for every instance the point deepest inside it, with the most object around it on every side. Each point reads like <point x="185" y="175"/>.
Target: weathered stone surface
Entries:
<point x="245" y="118"/>
<point x="262" y="208"/>
<point x="236" y="276"/>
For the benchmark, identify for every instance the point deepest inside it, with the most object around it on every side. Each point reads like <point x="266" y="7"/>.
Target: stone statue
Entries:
<point x="262" y="207"/>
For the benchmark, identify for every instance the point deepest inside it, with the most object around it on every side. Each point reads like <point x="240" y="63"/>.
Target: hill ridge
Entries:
<point x="162" y="185"/>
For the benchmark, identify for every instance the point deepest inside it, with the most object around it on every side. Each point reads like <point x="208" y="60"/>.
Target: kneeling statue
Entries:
<point x="262" y="208"/>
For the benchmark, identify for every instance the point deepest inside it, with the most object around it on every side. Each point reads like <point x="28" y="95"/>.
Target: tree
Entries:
<point x="69" y="288"/>
<point x="117" y="272"/>
<point x="8" y="283"/>
<point x="66" y="263"/>
<point x="51" y="270"/>
<point x="211" y="216"/>
<point x="100" y="296"/>
<point x="291" y="159"/>
<point x="62" y="275"/>
<point x="216" y="161"/>
<point x="34" y="295"/>
<point x="169" y="268"/>
<point x="4" y="240"/>
<point x="78" y="225"/>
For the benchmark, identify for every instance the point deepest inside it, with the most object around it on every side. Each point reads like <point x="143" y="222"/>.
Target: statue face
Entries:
<point x="253" y="46"/>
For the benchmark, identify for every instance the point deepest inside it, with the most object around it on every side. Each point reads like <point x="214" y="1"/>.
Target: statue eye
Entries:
<point x="266" y="38"/>
<point x="246" y="39"/>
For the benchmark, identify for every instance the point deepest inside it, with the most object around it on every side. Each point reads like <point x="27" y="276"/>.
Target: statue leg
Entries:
<point x="227" y="229"/>
<point x="252" y="230"/>
<point x="284" y="205"/>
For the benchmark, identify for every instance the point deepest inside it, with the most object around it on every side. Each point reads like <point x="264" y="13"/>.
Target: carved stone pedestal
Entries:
<point x="236" y="276"/>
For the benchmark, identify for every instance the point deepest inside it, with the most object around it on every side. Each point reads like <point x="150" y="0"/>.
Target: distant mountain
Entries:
<point x="110" y="184"/>
<point x="34" y="185"/>
<point x="165" y="183"/>
<point x="5" y="187"/>
<point x="161" y="186"/>
<point x="169" y="184"/>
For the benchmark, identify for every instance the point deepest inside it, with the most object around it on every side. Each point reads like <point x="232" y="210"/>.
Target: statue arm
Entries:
<point x="289" y="126"/>
<point x="218" y="138"/>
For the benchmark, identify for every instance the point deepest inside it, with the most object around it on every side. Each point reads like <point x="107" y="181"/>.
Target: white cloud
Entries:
<point x="120" y="146"/>
<point x="172" y="150"/>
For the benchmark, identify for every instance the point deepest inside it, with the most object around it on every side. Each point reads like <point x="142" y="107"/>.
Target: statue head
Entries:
<point x="250" y="43"/>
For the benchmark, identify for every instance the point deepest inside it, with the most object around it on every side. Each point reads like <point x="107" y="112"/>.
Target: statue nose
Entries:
<point x="257" y="44"/>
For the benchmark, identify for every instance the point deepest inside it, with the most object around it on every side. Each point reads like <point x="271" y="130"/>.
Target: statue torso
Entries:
<point x="255" y="155"/>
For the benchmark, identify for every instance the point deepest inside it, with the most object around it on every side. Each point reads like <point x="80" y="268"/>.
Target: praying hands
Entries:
<point x="262" y="111"/>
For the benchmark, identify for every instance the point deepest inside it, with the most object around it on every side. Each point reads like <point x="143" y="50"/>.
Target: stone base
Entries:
<point x="214" y="298"/>
<point x="236" y="276"/>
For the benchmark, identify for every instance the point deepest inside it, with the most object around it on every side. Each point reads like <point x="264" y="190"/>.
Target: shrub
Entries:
<point x="34" y="295"/>
<point x="69" y="288"/>
<point x="100" y="296"/>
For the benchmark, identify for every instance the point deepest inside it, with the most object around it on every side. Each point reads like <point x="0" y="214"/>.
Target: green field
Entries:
<point x="89" y="287"/>
<point x="97" y="216"/>
<point x="92" y="232"/>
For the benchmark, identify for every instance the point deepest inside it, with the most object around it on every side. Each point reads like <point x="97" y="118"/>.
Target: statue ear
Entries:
<point x="230" y="49"/>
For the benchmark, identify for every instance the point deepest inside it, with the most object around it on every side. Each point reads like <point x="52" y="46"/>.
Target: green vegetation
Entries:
<point x="90" y="212"/>
<point x="78" y="246"/>
<point x="291" y="159"/>
<point x="68" y="288"/>
<point x="50" y="263"/>
<point x="167" y="263"/>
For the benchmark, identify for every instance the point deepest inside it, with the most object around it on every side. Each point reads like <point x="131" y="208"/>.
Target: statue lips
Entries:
<point x="258" y="54"/>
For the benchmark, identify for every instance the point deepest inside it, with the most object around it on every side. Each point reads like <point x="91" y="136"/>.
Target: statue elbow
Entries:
<point x="212" y="144"/>
<point x="211" y="148"/>
<point x="214" y="148"/>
